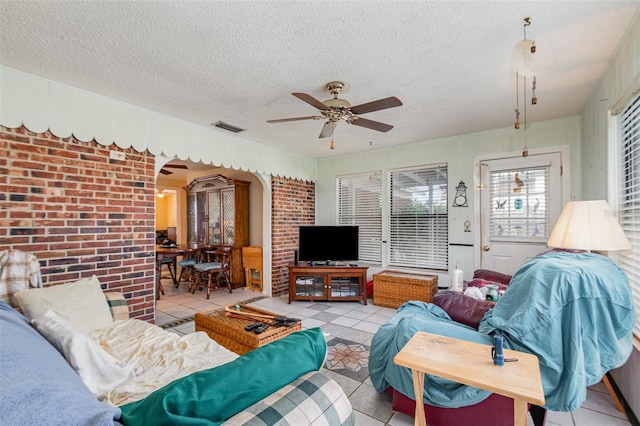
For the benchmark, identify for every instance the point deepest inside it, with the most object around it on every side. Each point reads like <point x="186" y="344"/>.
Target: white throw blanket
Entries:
<point x="160" y="356"/>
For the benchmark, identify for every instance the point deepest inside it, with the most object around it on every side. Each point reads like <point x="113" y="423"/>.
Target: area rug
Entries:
<point x="348" y="358"/>
<point x="190" y="318"/>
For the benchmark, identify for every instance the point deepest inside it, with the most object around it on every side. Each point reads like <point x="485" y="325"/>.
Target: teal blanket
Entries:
<point x="391" y="337"/>
<point x="209" y="397"/>
<point x="573" y="310"/>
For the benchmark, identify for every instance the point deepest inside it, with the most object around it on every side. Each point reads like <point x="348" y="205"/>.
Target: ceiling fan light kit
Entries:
<point x="336" y="109"/>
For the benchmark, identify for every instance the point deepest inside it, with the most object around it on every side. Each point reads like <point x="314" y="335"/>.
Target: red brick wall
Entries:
<point x="80" y="212"/>
<point x="293" y="204"/>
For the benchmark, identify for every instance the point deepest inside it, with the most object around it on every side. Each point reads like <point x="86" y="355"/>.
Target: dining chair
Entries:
<point x="169" y="262"/>
<point x="216" y="268"/>
<point x="187" y="265"/>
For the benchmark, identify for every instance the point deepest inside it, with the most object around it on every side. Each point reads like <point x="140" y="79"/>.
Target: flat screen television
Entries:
<point x="328" y="243"/>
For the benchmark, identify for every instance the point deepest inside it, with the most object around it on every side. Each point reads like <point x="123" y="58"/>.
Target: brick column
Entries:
<point x="293" y="204"/>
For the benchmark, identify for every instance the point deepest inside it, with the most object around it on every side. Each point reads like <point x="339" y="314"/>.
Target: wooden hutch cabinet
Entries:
<point x="218" y="215"/>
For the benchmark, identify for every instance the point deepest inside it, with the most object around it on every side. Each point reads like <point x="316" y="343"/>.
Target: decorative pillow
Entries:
<point x="39" y="387"/>
<point x="82" y="303"/>
<point x="463" y="309"/>
<point x="117" y="305"/>
<point x="99" y="371"/>
<point x="493" y="276"/>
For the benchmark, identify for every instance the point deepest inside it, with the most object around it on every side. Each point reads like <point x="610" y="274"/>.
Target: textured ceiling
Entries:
<point x="238" y="62"/>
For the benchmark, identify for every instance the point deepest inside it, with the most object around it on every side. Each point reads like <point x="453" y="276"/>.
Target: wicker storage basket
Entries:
<point x="391" y="288"/>
<point x="230" y="333"/>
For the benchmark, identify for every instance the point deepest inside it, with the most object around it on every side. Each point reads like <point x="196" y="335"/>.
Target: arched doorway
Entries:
<point x="174" y="174"/>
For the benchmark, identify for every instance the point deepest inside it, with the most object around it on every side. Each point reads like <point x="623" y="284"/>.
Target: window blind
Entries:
<point x="628" y="131"/>
<point x="360" y="204"/>
<point x="519" y="200"/>
<point x="418" y="228"/>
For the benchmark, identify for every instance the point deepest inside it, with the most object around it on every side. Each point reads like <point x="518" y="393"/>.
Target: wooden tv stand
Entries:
<point x="327" y="282"/>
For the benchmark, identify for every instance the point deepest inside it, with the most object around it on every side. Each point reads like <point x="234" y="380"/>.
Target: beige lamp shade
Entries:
<point x="588" y="225"/>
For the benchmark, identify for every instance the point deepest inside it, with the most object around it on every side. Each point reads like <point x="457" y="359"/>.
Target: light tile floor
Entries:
<point x="357" y="323"/>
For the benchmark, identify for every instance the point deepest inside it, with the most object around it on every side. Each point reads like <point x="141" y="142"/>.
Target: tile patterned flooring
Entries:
<point x="350" y="327"/>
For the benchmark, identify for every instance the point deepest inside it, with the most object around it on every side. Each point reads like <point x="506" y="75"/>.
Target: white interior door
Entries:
<point x="520" y="200"/>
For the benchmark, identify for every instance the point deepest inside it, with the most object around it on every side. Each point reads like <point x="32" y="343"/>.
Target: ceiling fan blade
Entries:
<point x="282" y="120"/>
<point x="310" y="100"/>
<point x="165" y="172"/>
<point x="370" y="124"/>
<point x="385" y="103"/>
<point x="327" y="129"/>
<point x="176" y="166"/>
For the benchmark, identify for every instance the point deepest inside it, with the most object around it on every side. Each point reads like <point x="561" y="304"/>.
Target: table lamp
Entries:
<point x="588" y="226"/>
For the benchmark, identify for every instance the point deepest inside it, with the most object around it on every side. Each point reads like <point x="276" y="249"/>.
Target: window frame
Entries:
<point x="370" y="245"/>
<point x="425" y="211"/>
<point x="625" y="155"/>
<point x="434" y="260"/>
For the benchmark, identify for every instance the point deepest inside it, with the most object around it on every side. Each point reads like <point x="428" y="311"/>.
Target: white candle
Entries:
<point x="456" y="280"/>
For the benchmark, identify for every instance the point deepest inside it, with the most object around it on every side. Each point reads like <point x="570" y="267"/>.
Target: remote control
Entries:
<point x="260" y="329"/>
<point x="252" y="326"/>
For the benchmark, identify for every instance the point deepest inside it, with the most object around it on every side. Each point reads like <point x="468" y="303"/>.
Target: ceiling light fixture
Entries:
<point x="522" y="59"/>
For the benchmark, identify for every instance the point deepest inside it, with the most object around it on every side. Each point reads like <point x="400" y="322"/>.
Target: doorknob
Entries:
<point x="486" y="248"/>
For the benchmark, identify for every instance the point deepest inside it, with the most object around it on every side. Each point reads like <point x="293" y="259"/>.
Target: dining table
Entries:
<point x="173" y="251"/>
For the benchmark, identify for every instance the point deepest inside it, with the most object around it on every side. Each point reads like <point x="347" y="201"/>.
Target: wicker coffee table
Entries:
<point x="230" y="333"/>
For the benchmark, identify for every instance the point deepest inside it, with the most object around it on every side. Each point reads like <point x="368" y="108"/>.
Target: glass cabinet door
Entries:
<point x="228" y="217"/>
<point x="344" y="286"/>
<point x="309" y="286"/>
<point x="201" y="214"/>
<point x="192" y="218"/>
<point x="214" y="224"/>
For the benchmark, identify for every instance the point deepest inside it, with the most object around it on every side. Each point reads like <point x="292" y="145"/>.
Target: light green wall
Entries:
<point x="458" y="153"/>
<point x="621" y="78"/>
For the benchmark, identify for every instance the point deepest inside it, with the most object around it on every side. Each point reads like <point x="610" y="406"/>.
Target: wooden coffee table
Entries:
<point x="230" y="333"/>
<point x="471" y="364"/>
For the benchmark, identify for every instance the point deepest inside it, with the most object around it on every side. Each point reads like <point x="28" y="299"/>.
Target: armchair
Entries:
<point x="573" y="310"/>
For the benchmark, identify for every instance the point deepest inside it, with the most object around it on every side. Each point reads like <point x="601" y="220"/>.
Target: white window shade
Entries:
<point x="628" y="132"/>
<point x="418" y="223"/>
<point x="360" y="204"/>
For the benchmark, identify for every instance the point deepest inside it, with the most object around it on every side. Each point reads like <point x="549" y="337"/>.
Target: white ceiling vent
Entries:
<point x="227" y="126"/>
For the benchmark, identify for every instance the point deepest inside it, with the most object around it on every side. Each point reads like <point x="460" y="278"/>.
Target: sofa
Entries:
<point x="574" y="311"/>
<point x="70" y="355"/>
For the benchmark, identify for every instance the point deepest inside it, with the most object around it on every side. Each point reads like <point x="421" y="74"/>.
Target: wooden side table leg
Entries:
<point x="519" y="412"/>
<point x="418" y="389"/>
<point x="615" y="398"/>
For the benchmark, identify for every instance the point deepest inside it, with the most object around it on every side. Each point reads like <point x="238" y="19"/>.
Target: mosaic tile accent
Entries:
<point x="348" y="358"/>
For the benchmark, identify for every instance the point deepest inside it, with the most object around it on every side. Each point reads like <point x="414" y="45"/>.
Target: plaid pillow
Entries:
<point x="117" y="305"/>
<point x="313" y="399"/>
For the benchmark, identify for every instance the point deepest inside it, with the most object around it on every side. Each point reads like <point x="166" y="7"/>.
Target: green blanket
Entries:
<point x="209" y="397"/>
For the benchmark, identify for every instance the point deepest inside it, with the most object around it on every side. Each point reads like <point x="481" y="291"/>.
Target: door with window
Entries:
<point x="520" y="200"/>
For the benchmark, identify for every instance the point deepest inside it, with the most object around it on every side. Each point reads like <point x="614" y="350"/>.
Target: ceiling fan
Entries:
<point x="337" y="109"/>
<point x="164" y="170"/>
